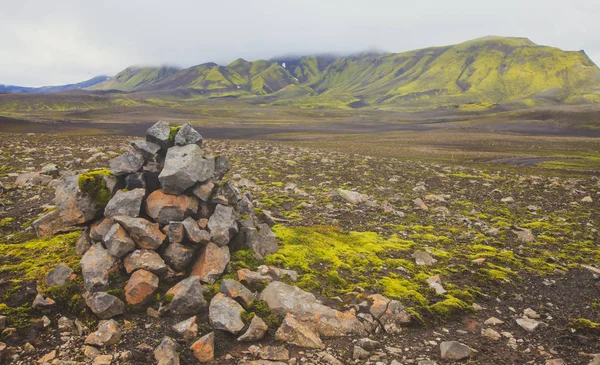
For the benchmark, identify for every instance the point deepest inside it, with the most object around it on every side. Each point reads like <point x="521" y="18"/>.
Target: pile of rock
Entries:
<point x="163" y="214"/>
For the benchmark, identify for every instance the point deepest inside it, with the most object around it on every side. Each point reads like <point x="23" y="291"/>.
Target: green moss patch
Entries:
<point x="93" y="184"/>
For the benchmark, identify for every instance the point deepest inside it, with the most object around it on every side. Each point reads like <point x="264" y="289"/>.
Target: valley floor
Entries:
<point x="508" y="241"/>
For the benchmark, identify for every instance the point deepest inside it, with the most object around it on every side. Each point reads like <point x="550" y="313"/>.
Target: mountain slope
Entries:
<point x="51" y="89"/>
<point x="133" y="78"/>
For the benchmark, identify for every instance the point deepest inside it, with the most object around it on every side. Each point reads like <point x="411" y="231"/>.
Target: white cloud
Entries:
<point x="60" y="41"/>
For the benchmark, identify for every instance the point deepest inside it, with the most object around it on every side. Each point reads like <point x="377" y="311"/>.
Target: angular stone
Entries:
<point x="326" y="321"/>
<point x="165" y="208"/>
<point x="222" y="225"/>
<point x="184" y="167"/>
<point x="204" y="348"/>
<point x="454" y="350"/>
<point x="188" y="135"/>
<point x="159" y="134"/>
<point x="524" y="235"/>
<point x="60" y="275"/>
<point x="204" y="191"/>
<point x="117" y="241"/>
<point x="188" y="329"/>
<point x="528" y="324"/>
<point x="211" y="263"/>
<point x="390" y="313"/>
<point x="352" y="197"/>
<point x="252" y="278"/>
<point x="145" y="259"/>
<point x="74" y="206"/>
<point x="108" y="334"/>
<point x="33" y="179"/>
<point x="256" y="330"/>
<point x="50" y="224"/>
<point x="145" y="234"/>
<point x="151" y="172"/>
<point x="275" y="353"/>
<point x="423" y="258"/>
<point x="99" y="229"/>
<point x="83" y="243"/>
<point x="491" y="334"/>
<point x="126" y="203"/>
<point x="95" y="267"/>
<point x="105" y="305"/>
<point x="277" y="273"/>
<point x="193" y="233"/>
<point x="178" y="256"/>
<point x="225" y="314"/>
<point x="221" y="166"/>
<point x="296" y="333"/>
<point x="436" y="284"/>
<point x="262" y="241"/>
<point x="145" y="148"/>
<point x="186" y="298"/>
<point x="135" y="181"/>
<point x="140" y="287"/>
<point x="235" y="289"/>
<point x="43" y="304"/>
<point x="166" y="352"/>
<point x="127" y="163"/>
<point x="176" y="232"/>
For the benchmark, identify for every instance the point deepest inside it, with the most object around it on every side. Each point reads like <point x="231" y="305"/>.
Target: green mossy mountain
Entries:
<point x="473" y="75"/>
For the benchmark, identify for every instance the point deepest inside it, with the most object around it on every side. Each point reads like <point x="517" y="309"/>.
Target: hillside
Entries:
<point x="472" y="75"/>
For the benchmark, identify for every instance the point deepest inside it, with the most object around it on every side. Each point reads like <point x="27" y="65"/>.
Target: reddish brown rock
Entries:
<point x="144" y="233"/>
<point x="147" y="260"/>
<point x="165" y="208"/>
<point x="140" y="287"/>
<point x="296" y="333"/>
<point x="98" y="229"/>
<point x="211" y="263"/>
<point x="204" y="348"/>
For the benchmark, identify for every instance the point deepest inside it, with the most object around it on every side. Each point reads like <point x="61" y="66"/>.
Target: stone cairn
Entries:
<point x="163" y="214"/>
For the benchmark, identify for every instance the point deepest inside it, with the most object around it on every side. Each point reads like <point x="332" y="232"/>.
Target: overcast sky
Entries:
<point x="45" y="42"/>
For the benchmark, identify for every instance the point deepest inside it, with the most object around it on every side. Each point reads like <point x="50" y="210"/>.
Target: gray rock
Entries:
<point x="33" y="179"/>
<point x="528" y="324"/>
<point x="256" y="330"/>
<point x="135" y="181"/>
<point x="358" y="353"/>
<point x="117" y="241"/>
<point x="184" y="167"/>
<point x="125" y="203"/>
<point x="297" y="333"/>
<point x="204" y="191"/>
<point x="194" y="233"/>
<point x="60" y="275"/>
<point x="166" y="352"/>
<point x="352" y="197"/>
<point x="222" y="225"/>
<point x="225" y="314"/>
<point x="188" y="328"/>
<point x="146" y="149"/>
<point x="263" y="242"/>
<point x="145" y="234"/>
<point x="176" y="232"/>
<point x="108" y="334"/>
<point x="127" y="163"/>
<point x="178" y="256"/>
<point x="83" y="243"/>
<point x="95" y="267"/>
<point x="436" y="284"/>
<point x="390" y="313"/>
<point x="326" y="321"/>
<point x="187" y="298"/>
<point x="221" y="166"/>
<point x="188" y="135"/>
<point x="98" y="229"/>
<point x="234" y="289"/>
<point x="145" y="259"/>
<point x="368" y="344"/>
<point x="277" y="273"/>
<point x="524" y="235"/>
<point x="43" y="304"/>
<point x="159" y="134"/>
<point x="105" y="305"/>
<point x="454" y="350"/>
<point x="50" y="169"/>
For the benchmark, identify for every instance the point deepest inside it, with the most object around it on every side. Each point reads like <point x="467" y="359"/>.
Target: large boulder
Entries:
<point x="211" y="263"/>
<point x="105" y="305"/>
<point x="225" y="314"/>
<point x="188" y="135"/>
<point x="159" y="134"/>
<point x="145" y="234"/>
<point x="283" y="299"/>
<point x="117" y="241"/>
<point x="126" y="203"/>
<point x="222" y="225"/>
<point x="96" y="264"/>
<point x="185" y="298"/>
<point x="127" y="163"/>
<point x="165" y="208"/>
<point x="147" y="260"/>
<point x="140" y="287"/>
<point x="184" y="167"/>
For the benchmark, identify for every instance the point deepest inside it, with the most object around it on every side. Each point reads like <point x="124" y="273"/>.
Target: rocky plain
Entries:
<point x="172" y="249"/>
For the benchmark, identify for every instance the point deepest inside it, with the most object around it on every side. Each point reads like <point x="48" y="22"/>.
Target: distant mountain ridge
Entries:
<point x="51" y="89"/>
<point x="478" y="74"/>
